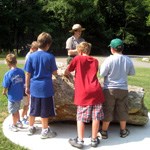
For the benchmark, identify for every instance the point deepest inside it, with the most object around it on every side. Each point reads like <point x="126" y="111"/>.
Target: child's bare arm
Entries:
<point x="72" y="52"/>
<point x="27" y="83"/>
<point x="4" y="92"/>
<point x="66" y="72"/>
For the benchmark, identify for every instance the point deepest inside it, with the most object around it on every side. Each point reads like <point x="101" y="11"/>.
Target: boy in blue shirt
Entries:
<point x="39" y="68"/>
<point x="13" y="88"/>
<point x="115" y="70"/>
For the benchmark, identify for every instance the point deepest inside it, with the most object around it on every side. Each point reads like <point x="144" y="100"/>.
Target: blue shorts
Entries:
<point x="43" y="107"/>
<point x="13" y="107"/>
<point x="89" y="113"/>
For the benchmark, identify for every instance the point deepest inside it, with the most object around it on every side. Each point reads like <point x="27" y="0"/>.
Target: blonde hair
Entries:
<point x="11" y="59"/>
<point x="34" y="44"/>
<point x="44" y="39"/>
<point x="84" y="47"/>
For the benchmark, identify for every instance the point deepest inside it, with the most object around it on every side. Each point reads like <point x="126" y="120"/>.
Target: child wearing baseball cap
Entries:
<point x="115" y="70"/>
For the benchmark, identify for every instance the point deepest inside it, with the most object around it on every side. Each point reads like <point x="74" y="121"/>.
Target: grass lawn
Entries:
<point x="142" y="79"/>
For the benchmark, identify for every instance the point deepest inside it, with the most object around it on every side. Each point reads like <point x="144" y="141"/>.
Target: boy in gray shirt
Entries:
<point x="115" y="70"/>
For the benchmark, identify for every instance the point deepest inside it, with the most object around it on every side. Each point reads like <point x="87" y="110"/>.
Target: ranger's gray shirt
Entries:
<point x="72" y="42"/>
<point x="115" y="70"/>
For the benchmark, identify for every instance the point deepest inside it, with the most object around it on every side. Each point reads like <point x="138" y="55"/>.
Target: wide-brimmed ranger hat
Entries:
<point x="116" y="43"/>
<point x="77" y="27"/>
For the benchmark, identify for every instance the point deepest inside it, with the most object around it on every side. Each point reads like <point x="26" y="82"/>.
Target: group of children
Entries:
<point x="93" y="101"/>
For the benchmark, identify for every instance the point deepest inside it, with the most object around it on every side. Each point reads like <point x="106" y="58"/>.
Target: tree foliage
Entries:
<point x="22" y="20"/>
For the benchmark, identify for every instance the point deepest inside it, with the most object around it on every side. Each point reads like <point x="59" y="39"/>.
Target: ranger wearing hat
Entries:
<point x="73" y="41"/>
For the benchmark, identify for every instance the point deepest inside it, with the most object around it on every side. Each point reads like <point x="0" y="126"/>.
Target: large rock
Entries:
<point x="66" y="110"/>
<point x="138" y="113"/>
<point x="146" y="59"/>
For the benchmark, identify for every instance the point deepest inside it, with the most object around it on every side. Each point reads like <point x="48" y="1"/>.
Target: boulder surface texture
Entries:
<point x="66" y="110"/>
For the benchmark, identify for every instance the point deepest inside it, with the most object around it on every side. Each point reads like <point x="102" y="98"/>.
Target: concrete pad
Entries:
<point x="138" y="139"/>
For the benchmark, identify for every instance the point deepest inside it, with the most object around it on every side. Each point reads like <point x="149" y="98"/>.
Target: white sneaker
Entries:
<point x="48" y="134"/>
<point x="19" y="124"/>
<point x="31" y="131"/>
<point x="13" y="128"/>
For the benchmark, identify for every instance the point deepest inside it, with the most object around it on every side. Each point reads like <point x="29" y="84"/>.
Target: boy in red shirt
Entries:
<point x="88" y="94"/>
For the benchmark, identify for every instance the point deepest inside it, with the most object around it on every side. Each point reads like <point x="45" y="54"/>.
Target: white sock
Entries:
<point x="25" y="117"/>
<point x="44" y="130"/>
<point x="21" y="118"/>
<point x="31" y="127"/>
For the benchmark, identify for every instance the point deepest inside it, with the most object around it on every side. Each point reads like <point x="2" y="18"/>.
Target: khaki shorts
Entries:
<point x="115" y="106"/>
<point x="25" y="101"/>
<point x="69" y="59"/>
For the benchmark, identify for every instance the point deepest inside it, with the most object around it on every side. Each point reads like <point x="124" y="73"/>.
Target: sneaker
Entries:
<point x="48" y="134"/>
<point x="76" y="143"/>
<point x="13" y="128"/>
<point x="31" y="131"/>
<point x="19" y="124"/>
<point x="104" y="134"/>
<point x="95" y="142"/>
<point x="25" y="122"/>
<point x="124" y="133"/>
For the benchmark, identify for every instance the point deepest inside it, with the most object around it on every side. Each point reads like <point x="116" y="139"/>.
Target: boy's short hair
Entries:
<point x="11" y="59"/>
<point x="34" y="44"/>
<point x="84" y="47"/>
<point x="44" y="39"/>
<point x="117" y="44"/>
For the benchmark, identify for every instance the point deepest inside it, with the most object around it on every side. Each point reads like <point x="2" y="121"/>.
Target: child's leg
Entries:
<point x="46" y="131"/>
<point x="31" y="121"/>
<point x="25" y="108"/>
<point x="44" y="123"/>
<point x="81" y="118"/>
<point x="80" y="129"/>
<point x="32" y="129"/>
<point x="15" y="117"/>
<point x="13" y="108"/>
<point x="122" y="125"/>
<point x="105" y="125"/>
<point x="47" y="110"/>
<point x="95" y="128"/>
<point x="24" y="112"/>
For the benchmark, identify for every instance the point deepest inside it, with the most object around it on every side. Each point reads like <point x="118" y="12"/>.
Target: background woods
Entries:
<point x="22" y="20"/>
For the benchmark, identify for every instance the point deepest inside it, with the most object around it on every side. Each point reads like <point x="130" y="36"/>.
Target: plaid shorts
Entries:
<point x="88" y="113"/>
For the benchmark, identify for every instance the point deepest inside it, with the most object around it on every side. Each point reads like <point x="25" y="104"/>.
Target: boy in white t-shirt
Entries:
<point x="115" y="70"/>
